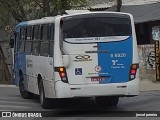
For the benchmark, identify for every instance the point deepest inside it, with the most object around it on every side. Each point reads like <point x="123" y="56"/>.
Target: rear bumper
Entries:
<point x="64" y="90"/>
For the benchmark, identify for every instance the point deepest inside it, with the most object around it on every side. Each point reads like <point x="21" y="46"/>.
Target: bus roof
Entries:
<point x="51" y="19"/>
<point x="44" y="20"/>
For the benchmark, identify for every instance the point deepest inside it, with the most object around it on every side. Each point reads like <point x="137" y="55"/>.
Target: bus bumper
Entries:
<point x="64" y="90"/>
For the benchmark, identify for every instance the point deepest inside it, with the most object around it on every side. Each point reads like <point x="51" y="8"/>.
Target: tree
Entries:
<point x="22" y="10"/>
<point x="118" y="5"/>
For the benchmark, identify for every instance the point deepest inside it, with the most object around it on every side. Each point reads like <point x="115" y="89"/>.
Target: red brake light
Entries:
<point x="133" y="72"/>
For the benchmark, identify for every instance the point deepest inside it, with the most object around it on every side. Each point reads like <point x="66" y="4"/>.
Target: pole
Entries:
<point x="157" y="61"/>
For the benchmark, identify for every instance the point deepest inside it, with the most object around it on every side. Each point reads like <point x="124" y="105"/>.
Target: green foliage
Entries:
<point x="3" y="17"/>
<point x="22" y="10"/>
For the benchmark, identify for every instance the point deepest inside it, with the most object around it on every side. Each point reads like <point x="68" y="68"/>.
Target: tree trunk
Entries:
<point x="5" y="76"/>
<point x="46" y="7"/>
<point x="119" y="4"/>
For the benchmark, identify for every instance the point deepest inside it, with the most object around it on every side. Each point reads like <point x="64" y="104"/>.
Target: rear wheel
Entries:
<point x="45" y="102"/>
<point x="107" y="101"/>
<point x="24" y="93"/>
<point x="114" y="101"/>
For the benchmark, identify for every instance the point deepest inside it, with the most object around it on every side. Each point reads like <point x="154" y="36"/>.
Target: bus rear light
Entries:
<point x="61" y="69"/>
<point x="62" y="73"/>
<point x="134" y="66"/>
<point x="132" y="76"/>
<point x="133" y="71"/>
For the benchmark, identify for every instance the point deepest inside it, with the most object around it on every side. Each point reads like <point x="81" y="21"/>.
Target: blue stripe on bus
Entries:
<point x="22" y="24"/>
<point x="20" y="64"/>
<point x="116" y="63"/>
<point x="20" y="58"/>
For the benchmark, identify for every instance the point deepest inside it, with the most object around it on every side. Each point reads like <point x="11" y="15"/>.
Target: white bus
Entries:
<point x="90" y="54"/>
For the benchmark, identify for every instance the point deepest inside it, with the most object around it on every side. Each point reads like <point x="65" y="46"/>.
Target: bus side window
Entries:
<point x="28" y="42"/>
<point x="44" y="49"/>
<point x="51" y="34"/>
<point x="21" y="40"/>
<point x="35" y="37"/>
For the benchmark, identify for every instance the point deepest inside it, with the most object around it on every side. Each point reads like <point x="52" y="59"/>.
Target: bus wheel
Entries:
<point x="107" y="101"/>
<point x="45" y="102"/>
<point x="24" y="93"/>
<point x="113" y="101"/>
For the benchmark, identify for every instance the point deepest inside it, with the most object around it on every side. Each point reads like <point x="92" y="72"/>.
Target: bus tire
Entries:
<point x="24" y="93"/>
<point x="45" y="102"/>
<point x="107" y="101"/>
<point x="113" y="101"/>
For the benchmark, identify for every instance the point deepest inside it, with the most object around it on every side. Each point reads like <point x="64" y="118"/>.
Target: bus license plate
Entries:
<point x="94" y="79"/>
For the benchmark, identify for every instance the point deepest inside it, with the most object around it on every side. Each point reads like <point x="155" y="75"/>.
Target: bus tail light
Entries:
<point x="62" y="73"/>
<point x="133" y="71"/>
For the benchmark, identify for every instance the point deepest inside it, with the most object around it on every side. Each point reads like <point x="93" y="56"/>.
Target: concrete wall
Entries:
<point x="147" y="62"/>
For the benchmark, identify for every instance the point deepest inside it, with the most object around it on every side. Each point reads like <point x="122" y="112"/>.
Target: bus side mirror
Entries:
<point x="12" y="40"/>
<point x="11" y="43"/>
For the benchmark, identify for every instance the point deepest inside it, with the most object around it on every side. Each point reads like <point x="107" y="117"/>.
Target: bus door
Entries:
<point x="19" y="56"/>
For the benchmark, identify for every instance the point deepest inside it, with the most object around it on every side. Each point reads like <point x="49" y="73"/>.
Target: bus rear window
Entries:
<point x="96" y="27"/>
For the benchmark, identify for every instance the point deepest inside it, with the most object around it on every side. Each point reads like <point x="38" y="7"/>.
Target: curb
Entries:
<point x="10" y="86"/>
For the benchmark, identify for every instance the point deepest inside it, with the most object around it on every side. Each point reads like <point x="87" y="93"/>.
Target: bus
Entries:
<point x="91" y="54"/>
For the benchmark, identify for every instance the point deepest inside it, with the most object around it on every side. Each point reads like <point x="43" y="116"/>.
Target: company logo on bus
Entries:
<point x="98" y="68"/>
<point x="81" y="58"/>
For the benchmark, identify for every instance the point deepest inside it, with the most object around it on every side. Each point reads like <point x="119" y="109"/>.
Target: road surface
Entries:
<point x="77" y="109"/>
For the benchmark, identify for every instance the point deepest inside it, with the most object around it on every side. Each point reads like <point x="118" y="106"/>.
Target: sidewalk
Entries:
<point x="10" y="86"/>
<point x="148" y="85"/>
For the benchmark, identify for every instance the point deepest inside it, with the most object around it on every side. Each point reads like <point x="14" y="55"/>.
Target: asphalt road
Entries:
<point x="77" y="109"/>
